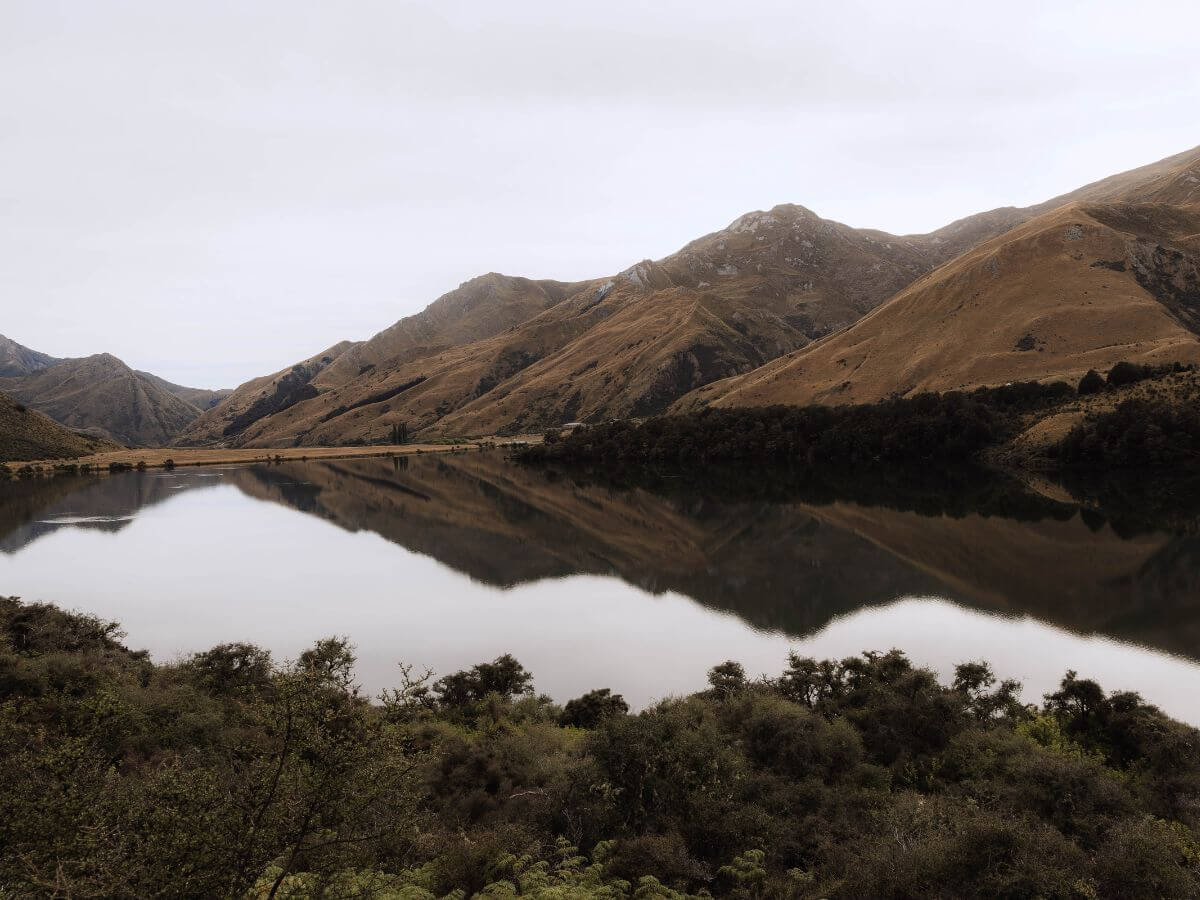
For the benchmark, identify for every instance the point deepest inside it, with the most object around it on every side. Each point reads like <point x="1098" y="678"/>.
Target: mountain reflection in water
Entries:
<point x="1034" y="585"/>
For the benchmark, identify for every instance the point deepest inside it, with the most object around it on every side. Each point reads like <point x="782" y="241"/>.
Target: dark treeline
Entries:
<point x="1139" y="433"/>
<point x="231" y="775"/>
<point x="1157" y="430"/>
<point x="946" y="428"/>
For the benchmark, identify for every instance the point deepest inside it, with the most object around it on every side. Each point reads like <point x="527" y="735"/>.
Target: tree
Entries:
<point x="1091" y="383"/>
<point x="592" y="708"/>
<point x="1127" y="373"/>
<point x="727" y="679"/>
<point x="503" y="676"/>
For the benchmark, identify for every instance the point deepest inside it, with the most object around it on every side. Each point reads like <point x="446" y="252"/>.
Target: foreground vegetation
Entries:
<point x="230" y="775"/>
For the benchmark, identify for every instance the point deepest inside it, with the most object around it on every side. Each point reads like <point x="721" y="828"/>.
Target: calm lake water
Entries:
<point x="446" y="561"/>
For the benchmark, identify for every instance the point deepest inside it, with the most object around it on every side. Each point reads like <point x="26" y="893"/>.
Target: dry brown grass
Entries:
<point x="183" y="456"/>
<point x="1050" y="283"/>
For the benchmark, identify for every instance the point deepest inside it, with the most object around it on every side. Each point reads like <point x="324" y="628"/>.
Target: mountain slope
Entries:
<point x="102" y="396"/>
<point x="1113" y="274"/>
<point x="27" y="434"/>
<point x="16" y="359"/>
<point x="259" y="398"/>
<point x="201" y="398"/>
<point x="628" y="345"/>
<point x="475" y="310"/>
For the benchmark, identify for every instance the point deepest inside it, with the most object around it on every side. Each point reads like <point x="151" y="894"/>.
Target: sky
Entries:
<point x="215" y="190"/>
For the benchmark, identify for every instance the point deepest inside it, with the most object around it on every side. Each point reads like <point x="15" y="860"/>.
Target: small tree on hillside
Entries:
<point x="1091" y="383"/>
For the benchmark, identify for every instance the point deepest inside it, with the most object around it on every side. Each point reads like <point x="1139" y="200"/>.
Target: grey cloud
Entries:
<point x="224" y="187"/>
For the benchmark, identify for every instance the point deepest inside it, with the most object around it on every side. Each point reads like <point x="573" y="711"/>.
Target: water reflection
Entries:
<point x="595" y="585"/>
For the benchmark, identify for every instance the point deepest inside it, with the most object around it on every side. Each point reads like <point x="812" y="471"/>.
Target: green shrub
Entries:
<point x="229" y="774"/>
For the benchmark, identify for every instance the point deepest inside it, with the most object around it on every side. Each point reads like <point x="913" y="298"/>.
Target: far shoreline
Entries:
<point x="158" y="457"/>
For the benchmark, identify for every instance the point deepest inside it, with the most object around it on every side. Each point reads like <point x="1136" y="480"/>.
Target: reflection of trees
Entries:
<point x="778" y="551"/>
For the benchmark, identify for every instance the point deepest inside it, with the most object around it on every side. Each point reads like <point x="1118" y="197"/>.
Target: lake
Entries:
<point x="449" y="560"/>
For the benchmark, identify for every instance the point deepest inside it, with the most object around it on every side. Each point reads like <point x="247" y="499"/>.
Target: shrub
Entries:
<point x="1124" y="373"/>
<point x="231" y="775"/>
<point x="1091" y="383"/>
<point x="592" y="708"/>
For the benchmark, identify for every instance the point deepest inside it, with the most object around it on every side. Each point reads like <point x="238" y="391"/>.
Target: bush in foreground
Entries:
<point x="230" y="775"/>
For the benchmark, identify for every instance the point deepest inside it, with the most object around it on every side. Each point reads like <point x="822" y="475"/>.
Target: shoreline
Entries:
<point x="157" y="457"/>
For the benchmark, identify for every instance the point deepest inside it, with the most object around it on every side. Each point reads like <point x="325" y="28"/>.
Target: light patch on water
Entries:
<point x="83" y="520"/>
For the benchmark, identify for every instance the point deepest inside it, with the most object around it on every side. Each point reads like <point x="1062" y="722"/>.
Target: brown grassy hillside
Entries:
<point x="1114" y="274"/>
<point x="102" y="396"/>
<point x="475" y="310"/>
<point x="257" y="398"/>
<point x="627" y="345"/>
<point x="27" y="434"/>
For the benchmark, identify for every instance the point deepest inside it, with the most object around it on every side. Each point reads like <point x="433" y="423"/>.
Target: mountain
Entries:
<point x="16" y="359"/>
<point x="1110" y="272"/>
<point x="780" y="306"/>
<point x="27" y="434"/>
<point x="502" y="354"/>
<point x="103" y="397"/>
<point x="258" y="399"/>
<point x="475" y="310"/>
<point x="201" y="398"/>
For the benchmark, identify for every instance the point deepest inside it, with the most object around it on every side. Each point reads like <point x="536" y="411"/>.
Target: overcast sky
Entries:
<point x="213" y="190"/>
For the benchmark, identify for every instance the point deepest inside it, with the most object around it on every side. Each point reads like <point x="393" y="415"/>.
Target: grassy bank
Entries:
<point x="230" y="774"/>
<point x="170" y="457"/>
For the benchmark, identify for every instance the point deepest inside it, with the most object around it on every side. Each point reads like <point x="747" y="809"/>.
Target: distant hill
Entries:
<point x="1108" y="273"/>
<point x="27" y="434"/>
<point x="201" y="398"/>
<point x="501" y="354"/>
<point x="103" y="397"/>
<point x="16" y="359"/>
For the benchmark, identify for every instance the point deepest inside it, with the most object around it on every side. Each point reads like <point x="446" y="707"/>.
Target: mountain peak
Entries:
<point x="17" y="359"/>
